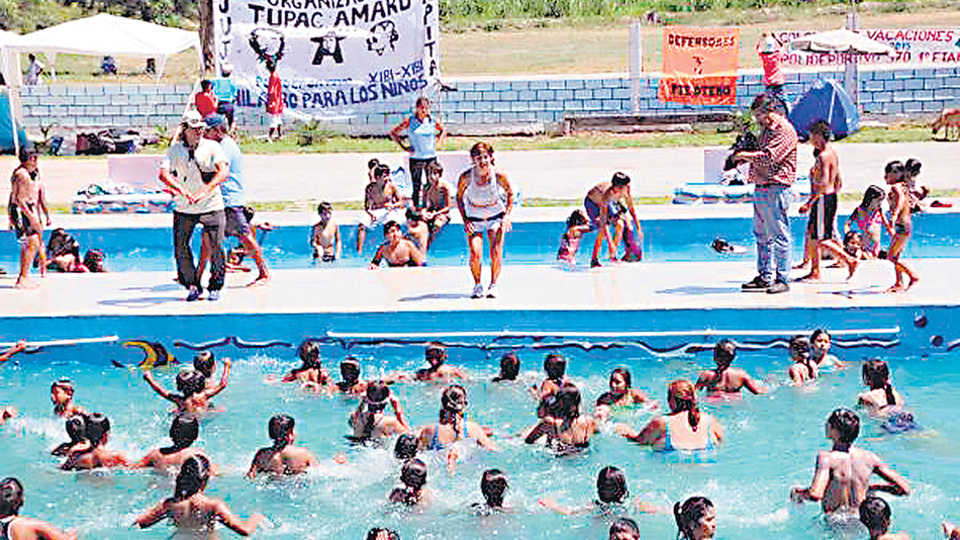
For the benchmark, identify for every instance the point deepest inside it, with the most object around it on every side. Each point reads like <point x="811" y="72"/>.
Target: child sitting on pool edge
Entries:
<point x="577" y="226"/>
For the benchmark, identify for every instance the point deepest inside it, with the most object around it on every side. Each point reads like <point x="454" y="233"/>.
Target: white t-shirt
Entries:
<point x="186" y="171"/>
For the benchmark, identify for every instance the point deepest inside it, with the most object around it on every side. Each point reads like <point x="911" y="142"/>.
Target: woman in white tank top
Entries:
<point x="485" y="199"/>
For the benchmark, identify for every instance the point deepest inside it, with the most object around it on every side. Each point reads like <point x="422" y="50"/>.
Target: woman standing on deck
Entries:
<point x="425" y="134"/>
<point x="485" y="199"/>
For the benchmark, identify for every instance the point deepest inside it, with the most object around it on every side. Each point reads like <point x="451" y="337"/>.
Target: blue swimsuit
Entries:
<point x="707" y="454"/>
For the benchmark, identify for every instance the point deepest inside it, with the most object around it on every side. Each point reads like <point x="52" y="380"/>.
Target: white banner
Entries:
<point x="336" y="58"/>
<point x="913" y="46"/>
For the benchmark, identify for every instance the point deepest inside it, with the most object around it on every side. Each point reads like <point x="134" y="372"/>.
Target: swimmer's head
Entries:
<point x="576" y="218"/>
<point x="624" y="529"/>
<point x="97" y="429"/>
<point x="11" y="496"/>
<point x="193" y="477"/>
<point x="454" y="399"/>
<point x="612" y="485"/>
<point x="696" y="518"/>
<point x="569" y="397"/>
<point x="876" y="374"/>
<point x="382" y="534"/>
<point x="620" y="180"/>
<point x="377" y="395"/>
<point x="846" y="424"/>
<point x="406" y="447"/>
<point x="435" y="354"/>
<point x="620" y="380"/>
<point x="76" y="428"/>
<point x="61" y="391"/>
<point x="800" y="348"/>
<point x="820" y="340"/>
<point x="204" y="362"/>
<point x="872" y="198"/>
<point x="191" y="382"/>
<point x="493" y="485"/>
<point x="280" y="430"/>
<point x="509" y="367"/>
<point x="184" y="431"/>
<point x="875" y="514"/>
<point x="309" y="353"/>
<point x="724" y="352"/>
<point x="681" y="396"/>
<point x="350" y="370"/>
<point x="414" y="474"/>
<point x="556" y="366"/>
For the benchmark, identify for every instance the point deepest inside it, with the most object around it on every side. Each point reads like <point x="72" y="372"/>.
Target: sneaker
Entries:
<point x="594" y="264"/>
<point x="477" y="291"/>
<point x="758" y="284"/>
<point x="778" y="287"/>
<point x="492" y="291"/>
<point x="194" y="294"/>
<point x="213" y="296"/>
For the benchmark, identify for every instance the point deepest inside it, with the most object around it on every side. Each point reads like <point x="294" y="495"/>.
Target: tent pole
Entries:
<point x="851" y="79"/>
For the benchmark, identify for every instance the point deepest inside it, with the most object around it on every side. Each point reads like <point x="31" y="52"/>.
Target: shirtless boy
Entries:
<point x="61" y="394"/>
<point x="281" y="458"/>
<point x="842" y="477"/>
<point x="725" y="379"/>
<point x="603" y="203"/>
<point x="15" y="527"/>
<point x="168" y="460"/>
<point x="325" y="239"/>
<point x="195" y="394"/>
<point x="436" y="200"/>
<point x="97" y="455"/>
<point x="436" y="355"/>
<point x="822" y="205"/>
<point x="397" y="250"/>
<point x="382" y="203"/>
<point x="27" y="203"/>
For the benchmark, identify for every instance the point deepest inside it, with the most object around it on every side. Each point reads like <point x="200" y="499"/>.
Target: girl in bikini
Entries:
<point x="685" y="429"/>
<point x="621" y="394"/>
<point x="453" y="426"/>
<point x="900" y="227"/>
<point x="868" y="218"/>
<point x="882" y="401"/>
<point x="577" y="226"/>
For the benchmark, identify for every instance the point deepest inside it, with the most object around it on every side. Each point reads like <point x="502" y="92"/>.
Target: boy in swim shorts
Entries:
<point x="27" y="203"/>
<point x="381" y="202"/>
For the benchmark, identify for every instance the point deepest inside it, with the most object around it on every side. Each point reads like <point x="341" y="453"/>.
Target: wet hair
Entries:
<point x="205" y="85"/>
<point x="612" y="485"/>
<point x="374" y="534"/>
<point x="204" y="362"/>
<point x="350" y="370"/>
<point x="723" y="354"/>
<point x="279" y="428"/>
<point x="97" y="428"/>
<point x="556" y="366"/>
<point x="821" y="128"/>
<point x="435" y="351"/>
<point x="576" y="218"/>
<point x="625" y="526"/>
<point x="454" y="399"/>
<point x="818" y="332"/>
<point x="625" y="374"/>
<point x="684" y="397"/>
<point x="371" y="165"/>
<point x="380" y="171"/>
<point x="801" y="344"/>
<point x="894" y="167"/>
<point x="309" y="353"/>
<point x="493" y="484"/>
<point x="620" y="179"/>
<point x="190" y="382"/>
<point x="406" y="447"/>
<point x="11" y="496"/>
<point x="875" y="514"/>
<point x="93" y="260"/>
<point x="509" y="367"/>
<point x="413" y="474"/>
<point x="76" y="427"/>
<point x="876" y="374"/>
<point x="389" y="226"/>
<point x="912" y="167"/>
<point x="192" y="477"/>
<point x="184" y="430"/>
<point x="569" y="396"/>
<point x="375" y="401"/>
<point x="481" y="148"/>
<point x="63" y="384"/>
<point x="847" y="424"/>
<point x="689" y="514"/>
<point x="413" y="214"/>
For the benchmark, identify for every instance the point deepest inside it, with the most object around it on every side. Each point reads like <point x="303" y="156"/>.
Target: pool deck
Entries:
<point x="620" y="287"/>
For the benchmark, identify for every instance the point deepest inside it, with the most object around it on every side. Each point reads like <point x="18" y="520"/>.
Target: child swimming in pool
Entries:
<point x="841" y="480"/>
<point x="16" y="527"/>
<point x="310" y="373"/>
<point x="685" y="429"/>
<point x="624" y="529"/>
<point x="724" y="381"/>
<point x="193" y="513"/>
<point x="281" y="459"/>
<point x="493" y="484"/>
<point x="804" y="369"/>
<point x="509" y="368"/>
<point x="184" y="431"/>
<point x="621" y="394"/>
<point x="555" y="366"/>
<point x="370" y="422"/>
<point x="61" y="394"/>
<point x="613" y="497"/>
<point x="378" y="533"/>
<point x="875" y="516"/>
<point x="820" y="341"/>
<point x="567" y="431"/>
<point x="696" y="519"/>
<point x="453" y="427"/>
<point x="350" y="383"/>
<point x="882" y="401"/>
<point x="577" y="226"/>
<point x="413" y="476"/>
<point x="900" y="228"/>
<point x="76" y="429"/>
<point x="194" y="394"/>
<point x="439" y="371"/>
<point x="97" y="455"/>
<point x="206" y="364"/>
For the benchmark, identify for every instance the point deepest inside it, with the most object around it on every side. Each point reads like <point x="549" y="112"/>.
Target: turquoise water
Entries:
<point x="771" y="446"/>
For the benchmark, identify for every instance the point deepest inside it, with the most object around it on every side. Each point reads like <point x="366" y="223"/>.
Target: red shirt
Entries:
<point x="274" y="95"/>
<point x="206" y="103"/>
<point x="772" y="74"/>
<point x="778" y="154"/>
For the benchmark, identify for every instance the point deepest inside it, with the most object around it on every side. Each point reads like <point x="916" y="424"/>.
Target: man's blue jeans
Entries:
<point x="772" y="229"/>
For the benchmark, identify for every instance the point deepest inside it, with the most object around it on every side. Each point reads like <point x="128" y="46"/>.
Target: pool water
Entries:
<point x="771" y="444"/>
<point x="528" y="243"/>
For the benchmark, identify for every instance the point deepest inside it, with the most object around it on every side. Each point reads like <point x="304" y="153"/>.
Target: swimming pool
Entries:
<point x="771" y="445"/>
<point x="136" y="249"/>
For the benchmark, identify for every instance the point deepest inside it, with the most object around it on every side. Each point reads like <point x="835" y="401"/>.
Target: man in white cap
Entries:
<point x="193" y="171"/>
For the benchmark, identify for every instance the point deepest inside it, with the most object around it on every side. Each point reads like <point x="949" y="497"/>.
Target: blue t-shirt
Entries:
<point x="423" y="138"/>
<point x="224" y="89"/>
<point x="232" y="187"/>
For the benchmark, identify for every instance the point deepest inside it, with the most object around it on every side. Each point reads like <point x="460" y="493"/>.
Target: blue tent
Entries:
<point x="6" y="126"/>
<point x="825" y="100"/>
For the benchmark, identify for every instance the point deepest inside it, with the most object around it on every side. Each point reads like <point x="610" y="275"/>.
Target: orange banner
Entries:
<point x="700" y="65"/>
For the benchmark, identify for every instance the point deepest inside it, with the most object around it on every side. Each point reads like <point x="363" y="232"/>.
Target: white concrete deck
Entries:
<point x="657" y="286"/>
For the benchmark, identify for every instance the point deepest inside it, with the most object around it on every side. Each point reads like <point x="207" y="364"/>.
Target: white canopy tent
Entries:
<point x="104" y="34"/>
<point x="10" y="70"/>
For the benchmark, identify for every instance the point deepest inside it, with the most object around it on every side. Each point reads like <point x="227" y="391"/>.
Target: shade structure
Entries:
<point x="825" y="100"/>
<point x="840" y="41"/>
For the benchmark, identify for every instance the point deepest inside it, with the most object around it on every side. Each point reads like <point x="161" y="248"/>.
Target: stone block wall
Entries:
<point x="485" y="103"/>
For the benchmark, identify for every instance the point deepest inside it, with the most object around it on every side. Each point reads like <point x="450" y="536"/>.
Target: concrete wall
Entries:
<point x="484" y="102"/>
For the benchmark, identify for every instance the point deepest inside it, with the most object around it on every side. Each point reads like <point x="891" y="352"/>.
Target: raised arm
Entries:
<point x="235" y="523"/>
<point x="8" y="354"/>
<point x="209" y="393"/>
<point x="895" y="483"/>
<point x="41" y="530"/>
<point x="148" y="376"/>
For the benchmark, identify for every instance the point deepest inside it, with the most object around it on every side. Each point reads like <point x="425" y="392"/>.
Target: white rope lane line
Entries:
<point x="641" y="334"/>
<point x="62" y="342"/>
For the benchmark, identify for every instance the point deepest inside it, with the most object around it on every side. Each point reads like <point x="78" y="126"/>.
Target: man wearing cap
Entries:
<point x="193" y="171"/>
<point x="233" y="195"/>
